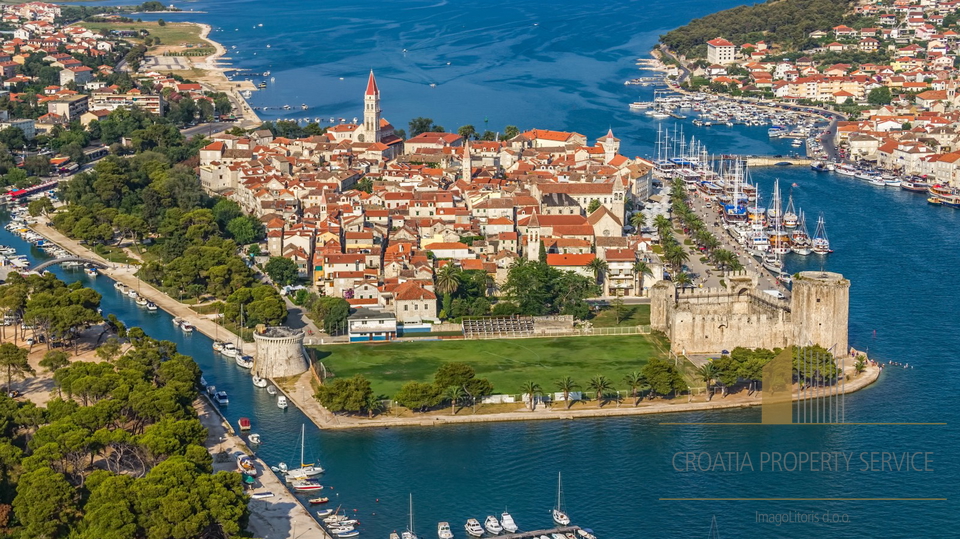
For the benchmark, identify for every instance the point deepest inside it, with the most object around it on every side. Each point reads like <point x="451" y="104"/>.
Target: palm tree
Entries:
<point x="599" y="267"/>
<point x="635" y="380"/>
<point x="860" y="365"/>
<point x="707" y="372"/>
<point x="677" y="256"/>
<point x="599" y="384"/>
<point x="448" y="279"/>
<point x="638" y="220"/>
<point x="455" y="394"/>
<point x="567" y="385"/>
<point x="639" y="270"/>
<point x="682" y="280"/>
<point x="663" y="226"/>
<point x="532" y="389"/>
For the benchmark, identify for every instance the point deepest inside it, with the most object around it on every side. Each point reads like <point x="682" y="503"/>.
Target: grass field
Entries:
<point x="506" y="363"/>
<point x="172" y="34"/>
<point x="632" y="315"/>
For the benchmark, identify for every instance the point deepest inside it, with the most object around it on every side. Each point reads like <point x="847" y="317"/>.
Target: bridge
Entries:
<point x="56" y="261"/>
<point x="768" y="161"/>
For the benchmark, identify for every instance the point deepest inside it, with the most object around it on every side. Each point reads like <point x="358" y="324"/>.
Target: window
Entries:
<point x="406" y="307"/>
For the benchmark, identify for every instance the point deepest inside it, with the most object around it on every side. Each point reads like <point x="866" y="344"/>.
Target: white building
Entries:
<point x="720" y="51"/>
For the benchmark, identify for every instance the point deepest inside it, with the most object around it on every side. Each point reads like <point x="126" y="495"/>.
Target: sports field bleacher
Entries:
<point x="489" y="327"/>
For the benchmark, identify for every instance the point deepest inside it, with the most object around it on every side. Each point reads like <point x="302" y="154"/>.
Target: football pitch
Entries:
<point x="507" y="363"/>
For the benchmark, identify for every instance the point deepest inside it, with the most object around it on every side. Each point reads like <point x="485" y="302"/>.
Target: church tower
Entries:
<point x="467" y="162"/>
<point x="611" y="145"/>
<point x="371" y="111"/>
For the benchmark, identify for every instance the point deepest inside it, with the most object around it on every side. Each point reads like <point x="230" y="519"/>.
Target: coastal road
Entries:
<point x="206" y="129"/>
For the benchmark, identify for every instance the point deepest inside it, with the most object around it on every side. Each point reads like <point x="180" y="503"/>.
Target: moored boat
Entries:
<point x="492" y="525"/>
<point x="559" y="515"/>
<point x="318" y="501"/>
<point x="820" y="244"/>
<point x="507" y="522"/>
<point x="245" y="362"/>
<point x="259" y="382"/>
<point x="221" y="398"/>
<point x="473" y="527"/>
<point x="443" y="530"/>
<point x="244" y="423"/>
<point x="282" y="402"/>
<point x="306" y="485"/>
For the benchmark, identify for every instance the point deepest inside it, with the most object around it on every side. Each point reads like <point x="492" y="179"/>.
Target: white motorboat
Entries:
<point x="245" y="362"/>
<point x="246" y="465"/>
<point x="211" y="390"/>
<point x="259" y="382"/>
<point x="254" y="438"/>
<point x="507" y="522"/>
<point x="229" y="350"/>
<point x="443" y="530"/>
<point x="221" y="398"/>
<point x="142" y="301"/>
<point x="324" y="513"/>
<point x="282" y="402"/>
<point x="151" y="306"/>
<point x="271" y="390"/>
<point x="186" y="327"/>
<point x="306" y="486"/>
<point x="473" y="527"/>
<point x="492" y="525"/>
<point x="132" y="293"/>
<point x="217" y="346"/>
<point x="91" y="272"/>
<point x="559" y="515"/>
<point x="117" y="285"/>
<point x="203" y="381"/>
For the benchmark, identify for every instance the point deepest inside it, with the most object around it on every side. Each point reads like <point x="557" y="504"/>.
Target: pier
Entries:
<point x="537" y="533"/>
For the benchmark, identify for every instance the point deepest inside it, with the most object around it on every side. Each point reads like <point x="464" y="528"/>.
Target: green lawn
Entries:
<point x="632" y="315"/>
<point x="173" y="33"/>
<point x="506" y="363"/>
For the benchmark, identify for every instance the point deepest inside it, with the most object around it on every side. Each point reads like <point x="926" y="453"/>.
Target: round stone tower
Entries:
<point x="820" y="310"/>
<point x="279" y="352"/>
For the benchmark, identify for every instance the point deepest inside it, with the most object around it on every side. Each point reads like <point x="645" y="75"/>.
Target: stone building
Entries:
<point x="710" y="320"/>
<point x="279" y="352"/>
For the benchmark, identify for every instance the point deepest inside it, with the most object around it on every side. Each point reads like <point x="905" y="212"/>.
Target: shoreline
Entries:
<point x="209" y="65"/>
<point x="280" y="515"/>
<point x="326" y="420"/>
<point x="300" y="391"/>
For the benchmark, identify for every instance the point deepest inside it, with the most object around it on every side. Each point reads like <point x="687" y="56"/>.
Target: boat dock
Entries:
<point x="537" y="533"/>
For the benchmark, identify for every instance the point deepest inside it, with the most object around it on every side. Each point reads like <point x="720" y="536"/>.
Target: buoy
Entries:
<point x="378" y="500"/>
<point x="354" y="510"/>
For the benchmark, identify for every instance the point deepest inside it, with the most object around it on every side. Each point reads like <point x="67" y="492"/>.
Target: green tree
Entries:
<point x="879" y="96"/>
<point x="510" y="132"/>
<point x="638" y="221"/>
<point x="663" y="377"/>
<point x="421" y="125"/>
<point x="14" y="360"/>
<point x="531" y="389"/>
<point x="332" y="312"/>
<point x="860" y="366"/>
<point x="45" y="503"/>
<point x="350" y="395"/>
<point x="635" y="381"/>
<point x="245" y="229"/>
<point x="707" y="373"/>
<point x="282" y="271"/>
<point x="567" y="385"/>
<point x="600" y="385"/>
<point x="53" y="360"/>
<point x="161" y="22"/>
<point x="618" y="307"/>
<point x="454" y="394"/>
<point x="40" y="206"/>
<point x="599" y="267"/>
<point x="594" y="205"/>
<point x="641" y="269"/>
<point x="467" y="132"/>
<point x="418" y="396"/>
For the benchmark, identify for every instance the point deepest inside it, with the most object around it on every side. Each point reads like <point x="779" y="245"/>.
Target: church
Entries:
<point x="375" y="133"/>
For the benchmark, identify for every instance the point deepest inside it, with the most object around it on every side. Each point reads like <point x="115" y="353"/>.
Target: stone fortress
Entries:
<point x="710" y="320"/>
<point x="279" y="353"/>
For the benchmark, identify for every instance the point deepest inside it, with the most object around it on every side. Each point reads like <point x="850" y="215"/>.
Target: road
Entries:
<point x="207" y="129"/>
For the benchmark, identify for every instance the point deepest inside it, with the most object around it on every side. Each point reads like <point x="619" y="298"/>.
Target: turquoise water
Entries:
<point x="561" y="65"/>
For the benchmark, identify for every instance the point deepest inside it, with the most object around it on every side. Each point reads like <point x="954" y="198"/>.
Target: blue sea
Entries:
<point x="561" y="65"/>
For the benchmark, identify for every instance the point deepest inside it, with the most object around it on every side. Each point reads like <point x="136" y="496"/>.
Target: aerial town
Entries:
<point x="893" y="74"/>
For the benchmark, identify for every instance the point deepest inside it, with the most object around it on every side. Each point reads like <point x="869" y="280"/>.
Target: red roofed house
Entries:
<point x="720" y="51"/>
<point x="414" y="303"/>
<point x="579" y="264"/>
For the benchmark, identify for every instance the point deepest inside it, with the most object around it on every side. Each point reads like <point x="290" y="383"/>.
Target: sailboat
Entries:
<point x="408" y="533"/>
<point x="559" y="515"/>
<point x="821" y="245"/>
<point x="790" y="218"/>
<point x="801" y="238"/>
<point x="305" y="470"/>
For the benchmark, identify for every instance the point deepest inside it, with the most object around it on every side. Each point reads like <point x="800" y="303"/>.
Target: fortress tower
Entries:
<point x="821" y="310"/>
<point x="279" y="352"/>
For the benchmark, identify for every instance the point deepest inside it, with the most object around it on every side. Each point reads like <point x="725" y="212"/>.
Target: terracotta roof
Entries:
<point x="412" y="290"/>
<point x="570" y="260"/>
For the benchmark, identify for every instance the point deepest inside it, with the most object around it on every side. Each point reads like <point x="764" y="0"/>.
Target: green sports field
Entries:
<point x="506" y="363"/>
